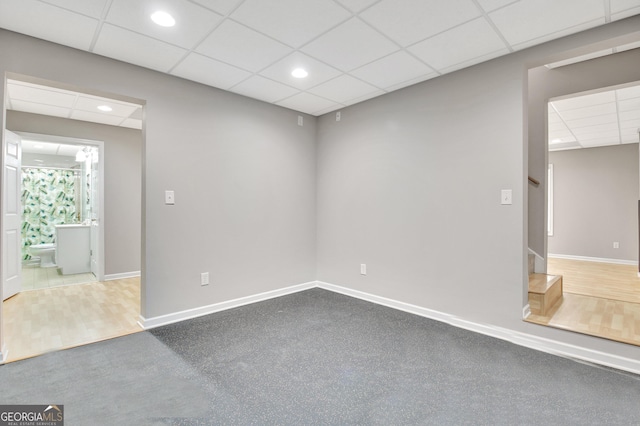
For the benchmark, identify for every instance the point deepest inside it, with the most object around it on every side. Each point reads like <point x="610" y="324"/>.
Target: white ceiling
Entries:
<point x="353" y="49"/>
<point x="45" y="100"/>
<point x="606" y="118"/>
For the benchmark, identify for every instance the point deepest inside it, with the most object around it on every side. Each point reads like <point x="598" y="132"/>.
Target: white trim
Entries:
<point x="593" y="259"/>
<point x="4" y="354"/>
<point x="533" y="342"/>
<point x="148" y="323"/>
<point x="121" y="275"/>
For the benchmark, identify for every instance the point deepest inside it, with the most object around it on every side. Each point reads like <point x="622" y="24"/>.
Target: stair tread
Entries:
<point x="540" y="283"/>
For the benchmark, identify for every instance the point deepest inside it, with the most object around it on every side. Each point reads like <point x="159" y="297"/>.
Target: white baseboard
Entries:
<point x="122" y="275"/>
<point x="593" y="259"/>
<point x="516" y="337"/>
<point x="148" y="323"/>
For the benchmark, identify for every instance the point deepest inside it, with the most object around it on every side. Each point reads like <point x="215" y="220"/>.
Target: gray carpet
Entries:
<point x="317" y="357"/>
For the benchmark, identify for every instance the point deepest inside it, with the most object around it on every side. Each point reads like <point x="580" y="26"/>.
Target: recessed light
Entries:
<point x="299" y="73"/>
<point x="163" y="19"/>
<point x="38" y="146"/>
<point x="105" y="108"/>
<point x="39" y="161"/>
<point x="556" y="140"/>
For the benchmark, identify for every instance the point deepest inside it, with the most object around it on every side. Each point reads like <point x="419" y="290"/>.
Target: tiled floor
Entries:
<point x="34" y="277"/>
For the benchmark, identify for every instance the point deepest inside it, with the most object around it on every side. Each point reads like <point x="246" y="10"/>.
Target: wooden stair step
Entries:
<point x="545" y="291"/>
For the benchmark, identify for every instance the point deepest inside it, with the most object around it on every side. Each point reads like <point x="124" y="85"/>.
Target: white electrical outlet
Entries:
<point x="363" y="269"/>
<point x="300" y="120"/>
<point x="204" y="278"/>
<point x="338" y="116"/>
<point x="616" y="244"/>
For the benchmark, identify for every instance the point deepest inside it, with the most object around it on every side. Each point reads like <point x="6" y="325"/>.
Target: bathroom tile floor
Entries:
<point x="34" y="277"/>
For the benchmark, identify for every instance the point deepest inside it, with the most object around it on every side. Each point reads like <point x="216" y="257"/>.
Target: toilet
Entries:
<point x="46" y="253"/>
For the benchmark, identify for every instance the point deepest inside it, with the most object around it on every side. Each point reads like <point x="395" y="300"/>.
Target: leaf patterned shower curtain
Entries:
<point x="48" y="199"/>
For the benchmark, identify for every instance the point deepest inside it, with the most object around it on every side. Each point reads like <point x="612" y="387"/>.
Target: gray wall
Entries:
<point x="123" y="181"/>
<point x="409" y="183"/>
<point x="243" y="173"/>
<point x="595" y="202"/>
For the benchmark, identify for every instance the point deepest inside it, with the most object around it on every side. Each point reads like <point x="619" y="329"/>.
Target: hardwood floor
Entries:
<point x="606" y="280"/>
<point x="600" y="299"/>
<point x="39" y="321"/>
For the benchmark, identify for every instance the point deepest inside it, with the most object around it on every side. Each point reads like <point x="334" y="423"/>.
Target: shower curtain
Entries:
<point x="48" y="199"/>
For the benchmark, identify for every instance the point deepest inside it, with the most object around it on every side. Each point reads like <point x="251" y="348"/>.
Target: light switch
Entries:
<point x="506" y="197"/>
<point x="169" y="198"/>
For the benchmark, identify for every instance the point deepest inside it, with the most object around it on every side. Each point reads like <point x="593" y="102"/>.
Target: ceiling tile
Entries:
<point x="132" y="123"/>
<point x="553" y="116"/>
<point x="68" y="150"/>
<point x="630" y="115"/>
<point x="91" y="104"/>
<point x="490" y="5"/>
<point x="556" y="127"/>
<point x="588" y="112"/>
<point x="410" y="82"/>
<point x="193" y="22"/>
<point x="624" y="8"/>
<point x="48" y="22"/>
<point x="629" y="104"/>
<point x="38" y="147"/>
<point x="583" y="131"/>
<point x="92" y="8"/>
<point x="35" y="108"/>
<point x="343" y="89"/>
<point x="292" y="22"/>
<point x="356" y="5"/>
<point x="137" y="49"/>
<point x="463" y="43"/>
<point x="562" y="135"/>
<point x="584" y="101"/>
<point x="416" y="20"/>
<point x="600" y="142"/>
<point x="608" y="135"/>
<point x="365" y="97"/>
<point x="630" y="125"/>
<point x="96" y="117"/>
<point x="308" y="103"/>
<point x="221" y="6"/>
<point x="264" y="89"/>
<point x="350" y="45"/>
<point x="318" y="71"/>
<point x="238" y="45"/>
<point x="209" y="71"/>
<point x="522" y="21"/>
<point x="31" y="93"/>
<point x="593" y="121"/>
<point x="393" y="69"/>
<point x="334" y="107"/>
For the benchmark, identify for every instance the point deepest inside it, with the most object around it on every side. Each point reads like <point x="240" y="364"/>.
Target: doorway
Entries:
<point x="62" y="191"/>
<point x="105" y="130"/>
<point x="593" y="208"/>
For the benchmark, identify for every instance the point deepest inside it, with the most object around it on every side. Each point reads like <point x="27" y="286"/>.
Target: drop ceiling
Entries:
<point x="45" y="100"/>
<point x="353" y="49"/>
<point x="610" y="117"/>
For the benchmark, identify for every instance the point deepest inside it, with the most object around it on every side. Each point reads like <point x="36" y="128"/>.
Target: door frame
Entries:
<point x="84" y="142"/>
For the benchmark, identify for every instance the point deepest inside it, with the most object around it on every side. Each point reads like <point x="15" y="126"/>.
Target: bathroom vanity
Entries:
<point x="73" y="252"/>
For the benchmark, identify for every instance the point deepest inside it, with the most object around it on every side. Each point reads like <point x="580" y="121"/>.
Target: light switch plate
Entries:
<point x="506" y="197"/>
<point x="169" y="197"/>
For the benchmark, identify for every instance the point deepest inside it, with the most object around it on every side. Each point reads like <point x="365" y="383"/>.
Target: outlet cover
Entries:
<point x="363" y="269"/>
